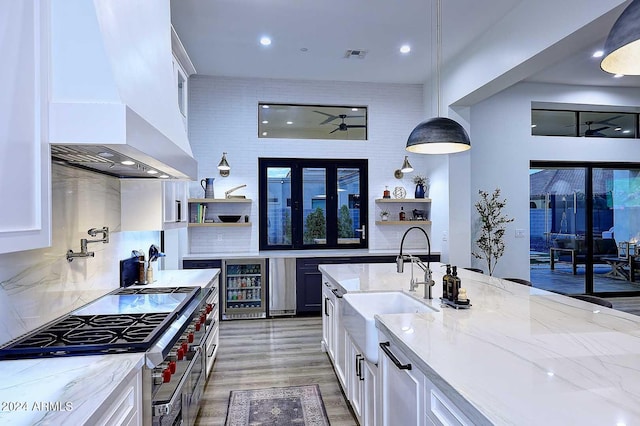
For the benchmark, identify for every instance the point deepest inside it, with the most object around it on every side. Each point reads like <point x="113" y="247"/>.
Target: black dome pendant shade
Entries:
<point x="439" y="135"/>
<point x="622" y="48"/>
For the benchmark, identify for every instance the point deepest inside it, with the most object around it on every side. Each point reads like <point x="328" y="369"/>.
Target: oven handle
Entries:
<point x="164" y="409"/>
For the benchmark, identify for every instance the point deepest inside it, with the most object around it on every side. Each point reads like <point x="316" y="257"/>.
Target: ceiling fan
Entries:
<point x="332" y="117"/>
<point x="343" y="127"/>
<point x="594" y="132"/>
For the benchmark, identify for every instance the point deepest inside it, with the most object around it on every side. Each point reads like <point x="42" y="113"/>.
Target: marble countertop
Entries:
<point x="519" y="355"/>
<point x="62" y="390"/>
<point x="75" y="387"/>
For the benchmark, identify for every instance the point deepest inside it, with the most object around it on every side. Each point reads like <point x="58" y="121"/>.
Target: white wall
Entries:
<point x="223" y="117"/>
<point x="502" y="147"/>
<point x="37" y="286"/>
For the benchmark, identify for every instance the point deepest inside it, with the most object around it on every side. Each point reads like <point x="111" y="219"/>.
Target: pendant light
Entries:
<point x="439" y="135"/>
<point x="622" y="47"/>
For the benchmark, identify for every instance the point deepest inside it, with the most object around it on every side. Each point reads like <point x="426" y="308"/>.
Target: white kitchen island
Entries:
<point x="519" y="355"/>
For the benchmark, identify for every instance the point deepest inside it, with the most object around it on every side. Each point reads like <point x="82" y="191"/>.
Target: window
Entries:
<point x="285" y="121"/>
<point x="309" y="203"/>
<point x="593" y="124"/>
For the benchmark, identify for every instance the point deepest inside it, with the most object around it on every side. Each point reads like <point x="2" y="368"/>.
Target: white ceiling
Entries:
<point x="222" y="39"/>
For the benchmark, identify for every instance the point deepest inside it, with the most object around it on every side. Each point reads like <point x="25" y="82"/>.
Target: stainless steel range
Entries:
<point x="171" y="325"/>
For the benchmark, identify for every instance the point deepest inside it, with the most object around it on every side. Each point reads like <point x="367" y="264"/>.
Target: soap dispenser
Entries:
<point x="445" y="282"/>
<point x="455" y="284"/>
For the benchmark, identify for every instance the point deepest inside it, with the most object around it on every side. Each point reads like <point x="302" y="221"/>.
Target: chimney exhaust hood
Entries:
<point x="114" y="93"/>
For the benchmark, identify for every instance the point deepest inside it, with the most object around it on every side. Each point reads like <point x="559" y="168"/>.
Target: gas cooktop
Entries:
<point x="125" y="320"/>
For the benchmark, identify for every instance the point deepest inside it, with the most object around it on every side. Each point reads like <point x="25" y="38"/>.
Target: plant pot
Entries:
<point x="385" y="218"/>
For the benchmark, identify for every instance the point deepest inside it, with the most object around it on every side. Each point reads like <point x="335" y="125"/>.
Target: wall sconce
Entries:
<point x="223" y="166"/>
<point x="406" y="168"/>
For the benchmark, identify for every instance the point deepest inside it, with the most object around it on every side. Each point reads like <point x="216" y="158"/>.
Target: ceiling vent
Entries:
<point x="355" y="53"/>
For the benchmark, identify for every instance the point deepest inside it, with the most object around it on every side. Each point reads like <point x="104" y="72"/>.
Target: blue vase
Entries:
<point x="419" y="191"/>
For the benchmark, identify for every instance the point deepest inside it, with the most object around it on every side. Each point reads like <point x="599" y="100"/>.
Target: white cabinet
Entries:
<point x="362" y="384"/>
<point x="401" y="389"/>
<point x="26" y="169"/>
<point x="408" y="397"/>
<point x="152" y="204"/>
<point x="333" y="334"/>
<point x="328" y="321"/>
<point x="124" y="405"/>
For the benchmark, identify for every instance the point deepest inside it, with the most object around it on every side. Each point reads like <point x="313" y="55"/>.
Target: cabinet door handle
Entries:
<point x="358" y="365"/>
<point x="326" y="300"/>
<point x="335" y="291"/>
<point x="385" y="348"/>
<point x="361" y="373"/>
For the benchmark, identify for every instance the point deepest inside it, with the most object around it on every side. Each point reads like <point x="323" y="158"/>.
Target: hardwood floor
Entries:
<point x="271" y="353"/>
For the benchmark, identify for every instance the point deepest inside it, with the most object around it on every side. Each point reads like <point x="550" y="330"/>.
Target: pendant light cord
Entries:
<point x="438" y="51"/>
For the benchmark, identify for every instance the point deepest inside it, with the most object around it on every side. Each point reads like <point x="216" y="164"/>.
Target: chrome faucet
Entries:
<point x="428" y="280"/>
<point x="84" y="252"/>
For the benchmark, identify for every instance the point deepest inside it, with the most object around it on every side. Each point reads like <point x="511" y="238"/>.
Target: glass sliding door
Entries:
<point x="616" y="229"/>
<point x="585" y="228"/>
<point x="558" y="237"/>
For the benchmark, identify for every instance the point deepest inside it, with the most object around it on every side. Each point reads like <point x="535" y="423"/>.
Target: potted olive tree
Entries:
<point x="492" y="227"/>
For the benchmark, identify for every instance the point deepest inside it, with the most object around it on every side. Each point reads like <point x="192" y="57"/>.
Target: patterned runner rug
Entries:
<point x="294" y="405"/>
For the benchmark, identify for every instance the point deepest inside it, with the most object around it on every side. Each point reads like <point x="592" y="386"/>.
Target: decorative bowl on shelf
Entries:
<point x="229" y="218"/>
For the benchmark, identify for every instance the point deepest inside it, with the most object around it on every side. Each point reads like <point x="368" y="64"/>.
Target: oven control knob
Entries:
<point x="180" y="354"/>
<point x="203" y="317"/>
<point x="172" y="367"/>
<point x="190" y="337"/>
<point x="209" y="308"/>
<point x="198" y="325"/>
<point x="185" y="347"/>
<point x="166" y="375"/>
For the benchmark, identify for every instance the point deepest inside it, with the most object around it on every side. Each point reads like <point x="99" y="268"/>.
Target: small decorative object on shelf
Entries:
<point x="402" y="215"/>
<point x="384" y="215"/>
<point x="399" y="192"/>
<point x="422" y="186"/>
<point x="386" y="193"/>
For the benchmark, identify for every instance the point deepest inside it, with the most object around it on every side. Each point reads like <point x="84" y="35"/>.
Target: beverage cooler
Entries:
<point x="244" y="289"/>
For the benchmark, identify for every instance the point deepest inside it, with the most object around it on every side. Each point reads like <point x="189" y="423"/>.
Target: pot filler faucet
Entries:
<point x="427" y="281"/>
<point x="84" y="252"/>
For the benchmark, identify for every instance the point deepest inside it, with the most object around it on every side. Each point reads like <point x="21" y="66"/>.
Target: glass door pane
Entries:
<point x="558" y="249"/>
<point x="279" y="206"/>
<point x="616" y="229"/>
<point x="349" y="226"/>
<point x="314" y="202"/>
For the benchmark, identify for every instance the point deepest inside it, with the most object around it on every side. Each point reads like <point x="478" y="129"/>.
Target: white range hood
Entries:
<point x="113" y="89"/>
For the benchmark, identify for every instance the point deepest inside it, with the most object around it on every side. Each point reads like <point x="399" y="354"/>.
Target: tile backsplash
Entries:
<point x="37" y="286"/>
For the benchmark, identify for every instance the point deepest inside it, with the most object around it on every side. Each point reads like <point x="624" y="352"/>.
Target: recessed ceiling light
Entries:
<point x="405" y="48"/>
<point x="618" y="75"/>
<point x="105" y="154"/>
<point x="304" y="49"/>
<point x="265" y="106"/>
<point x="265" y="121"/>
<point x="534" y="125"/>
<point x="152" y="172"/>
<point x="354" y="109"/>
<point x="598" y="54"/>
<point x="128" y="162"/>
<point x="264" y="133"/>
<point x="265" y="41"/>
<point x="289" y="122"/>
<point x="163" y="176"/>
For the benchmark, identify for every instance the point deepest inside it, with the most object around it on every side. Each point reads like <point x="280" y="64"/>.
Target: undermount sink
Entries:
<point x="359" y="310"/>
